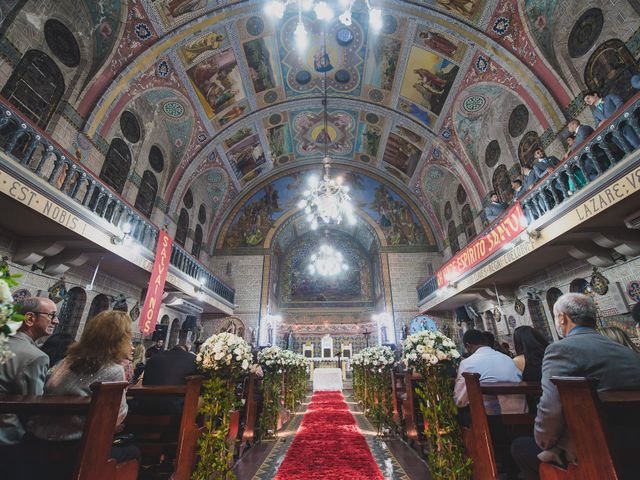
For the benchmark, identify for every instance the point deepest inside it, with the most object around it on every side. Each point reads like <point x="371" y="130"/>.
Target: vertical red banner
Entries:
<point x="149" y="314"/>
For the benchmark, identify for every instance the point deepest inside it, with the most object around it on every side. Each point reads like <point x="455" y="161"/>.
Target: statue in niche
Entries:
<point x="230" y="328"/>
<point x="290" y="340"/>
<point x="269" y="335"/>
<point x="383" y="335"/>
<point x="405" y="331"/>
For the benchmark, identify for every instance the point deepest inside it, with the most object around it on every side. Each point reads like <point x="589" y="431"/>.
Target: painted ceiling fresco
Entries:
<point x="394" y="97"/>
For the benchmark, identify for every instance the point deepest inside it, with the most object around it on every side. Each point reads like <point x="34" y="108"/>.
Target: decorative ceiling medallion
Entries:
<point x="519" y="307"/>
<point x="518" y="120"/>
<point x="271" y="96"/>
<point x="585" y="32"/>
<point x="501" y="25"/>
<point x="143" y="32"/>
<point x="173" y="109"/>
<point x="474" y="103"/>
<point x="255" y="26"/>
<point x="275" y="119"/>
<point x="633" y="290"/>
<point x="372" y="118"/>
<point x="163" y="69"/>
<point x="389" y="24"/>
<point x="482" y="64"/>
<point x="376" y="95"/>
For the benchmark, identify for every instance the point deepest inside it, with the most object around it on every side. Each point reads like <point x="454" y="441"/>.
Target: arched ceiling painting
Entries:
<point x="399" y="100"/>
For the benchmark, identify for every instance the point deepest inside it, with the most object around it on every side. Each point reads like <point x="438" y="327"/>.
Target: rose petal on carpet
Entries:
<point x="328" y="445"/>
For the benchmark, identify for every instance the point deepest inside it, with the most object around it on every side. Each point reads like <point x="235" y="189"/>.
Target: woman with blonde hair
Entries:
<point x="97" y="357"/>
<point x="139" y="358"/>
<point x="619" y="336"/>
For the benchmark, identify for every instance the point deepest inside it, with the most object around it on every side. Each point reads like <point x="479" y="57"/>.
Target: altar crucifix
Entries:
<point x="366" y="334"/>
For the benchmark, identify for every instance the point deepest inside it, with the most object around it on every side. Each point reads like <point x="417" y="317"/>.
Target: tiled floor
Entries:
<point x="394" y="458"/>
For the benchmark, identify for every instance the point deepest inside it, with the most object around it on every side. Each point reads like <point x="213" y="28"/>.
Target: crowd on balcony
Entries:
<point x="572" y="177"/>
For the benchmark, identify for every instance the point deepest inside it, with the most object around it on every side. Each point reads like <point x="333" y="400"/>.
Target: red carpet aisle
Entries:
<point x="328" y="445"/>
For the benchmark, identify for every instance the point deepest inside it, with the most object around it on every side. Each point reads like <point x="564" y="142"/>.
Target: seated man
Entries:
<point x="495" y="208"/>
<point x="604" y="108"/>
<point x="492" y="366"/>
<point x="166" y="368"/>
<point x="582" y="352"/>
<point x="156" y="348"/>
<point x="24" y="373"/>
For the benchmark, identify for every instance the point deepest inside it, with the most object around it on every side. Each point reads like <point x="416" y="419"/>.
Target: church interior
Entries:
<point x="342" y="194"/>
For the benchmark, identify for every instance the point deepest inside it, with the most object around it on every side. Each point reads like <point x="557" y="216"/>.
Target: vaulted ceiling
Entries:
<point x="430" y="105"/>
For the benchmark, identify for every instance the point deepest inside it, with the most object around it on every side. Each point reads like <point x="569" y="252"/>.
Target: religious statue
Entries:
<point x="269" y="335"/>
<point x="290" y="340"/>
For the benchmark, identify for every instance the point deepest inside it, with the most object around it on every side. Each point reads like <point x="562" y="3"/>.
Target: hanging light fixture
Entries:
<point x="323" y="12"/>
<point x="327" y="262"/>
<point x="327" y="200"/>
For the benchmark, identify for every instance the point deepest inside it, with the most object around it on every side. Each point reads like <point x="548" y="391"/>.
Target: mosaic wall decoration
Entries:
<point x="298" y="287"/>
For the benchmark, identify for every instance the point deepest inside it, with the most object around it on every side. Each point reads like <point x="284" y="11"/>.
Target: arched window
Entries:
<point x="35" y="87"/>
<point x="183" y="227"/>
<point x="116" y="165"/>
<point x="553" y="294"/>
<point x="197" y="242"/>
<point x="538" y="317"/>
<point x="453" y="237"/>
<point x="529" y="144"/>
<point x="174" y="331"/>
<point x="610" y="68"/>
<point x="71" y="311"/>
<point x="467" y="221"/>
<point x="579" y="285"/>
<point x="147" y="193"/>
<point x="100" y="303"/>
<point x="502" y="183"/>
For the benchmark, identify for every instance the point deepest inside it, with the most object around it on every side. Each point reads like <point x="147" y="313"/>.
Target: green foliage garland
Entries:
<point x="270" y="403"/>
<point x="434" y="355"/>
<point x="214" y="452"/>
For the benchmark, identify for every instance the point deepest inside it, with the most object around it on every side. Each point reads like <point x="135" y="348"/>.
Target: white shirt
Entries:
<point x="492" y="366"/>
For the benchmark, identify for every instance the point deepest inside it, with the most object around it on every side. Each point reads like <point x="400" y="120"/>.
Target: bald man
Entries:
<point x="24" y="373"/>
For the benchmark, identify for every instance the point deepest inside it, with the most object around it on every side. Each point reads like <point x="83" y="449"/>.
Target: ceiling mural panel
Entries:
<point x="258" y="214"/>
<point x="245" y="154"/>
<point x="309" y="129"/>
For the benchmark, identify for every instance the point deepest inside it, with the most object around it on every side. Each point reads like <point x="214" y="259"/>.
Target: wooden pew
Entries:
<point x="478" y="437"/>
<point x="250" y="412"/>
<point x="101" y="410"/>
<point x="161" y="434"/>
<point x="397" y="397"/>
<point x="585" y="411"/>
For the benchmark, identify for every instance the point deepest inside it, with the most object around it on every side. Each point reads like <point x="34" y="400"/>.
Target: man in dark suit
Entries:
<point x="581" y="133"/>
<point x="604" y="108"/>
<point x="495" y="208"/>
<point x="170" y="367"/>
<point x="582" y="352"/>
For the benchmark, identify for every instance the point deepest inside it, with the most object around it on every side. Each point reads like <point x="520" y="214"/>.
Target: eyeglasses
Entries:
<point x="51" y="315"/>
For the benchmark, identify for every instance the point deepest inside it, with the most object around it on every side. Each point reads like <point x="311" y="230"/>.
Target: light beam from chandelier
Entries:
<point x="327" y="262"/>
<point x="323" y="12"/>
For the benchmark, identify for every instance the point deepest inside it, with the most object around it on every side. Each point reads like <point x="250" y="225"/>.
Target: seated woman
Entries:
<point x="97" y="357"/>
<point x="529" y="345"/>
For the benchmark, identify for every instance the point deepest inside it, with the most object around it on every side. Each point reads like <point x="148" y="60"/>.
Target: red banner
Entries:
<point x="149" y="314"/>
<point x="502" y="233"/>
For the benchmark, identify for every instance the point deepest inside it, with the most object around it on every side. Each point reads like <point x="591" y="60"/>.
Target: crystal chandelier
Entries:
<point x="326" y="200"/>
<point x="327" y="262"/>
<point x="323" y="11"/>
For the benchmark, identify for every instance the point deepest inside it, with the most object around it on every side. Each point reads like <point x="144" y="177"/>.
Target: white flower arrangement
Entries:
<point x="8" y="311"/>
<point x="427" y="348"/>
<point x="374" y="358"/>
<point x="224" y="352"/>
<point x="272" y="358"/>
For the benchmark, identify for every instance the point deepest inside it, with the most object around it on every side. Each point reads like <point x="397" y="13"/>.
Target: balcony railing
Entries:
<point x="606" y="147"/>
<point x="34" y="151"/>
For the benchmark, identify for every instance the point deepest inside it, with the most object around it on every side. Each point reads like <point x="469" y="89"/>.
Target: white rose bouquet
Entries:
<point x="426" y="348"/>
<point x="225" y="352"/>
<point x="374" y="358"/>
<point x="276" y="358"/>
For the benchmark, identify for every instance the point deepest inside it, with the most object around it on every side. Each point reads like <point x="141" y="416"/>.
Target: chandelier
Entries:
<point x="327" y="200"/>
<point x="327" y="262"/>
<point x="323" y="11"/>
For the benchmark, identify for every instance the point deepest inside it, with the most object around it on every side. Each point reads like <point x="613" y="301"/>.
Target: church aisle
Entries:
<point x="329" y="445"/>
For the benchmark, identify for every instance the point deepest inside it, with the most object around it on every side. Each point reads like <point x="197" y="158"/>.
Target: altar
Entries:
<point x="327" y="379"/>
